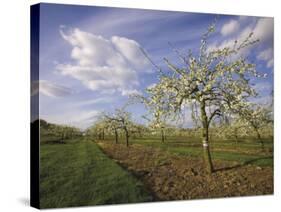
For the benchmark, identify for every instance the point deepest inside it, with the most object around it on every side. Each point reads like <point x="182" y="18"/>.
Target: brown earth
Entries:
<point x="170" y="177"/>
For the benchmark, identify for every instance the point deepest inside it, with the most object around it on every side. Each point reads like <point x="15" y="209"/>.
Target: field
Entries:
<point x="85" y="171"/>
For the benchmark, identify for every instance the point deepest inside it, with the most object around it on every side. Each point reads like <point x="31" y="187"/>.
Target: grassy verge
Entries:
<point x="226" y="156"/>
<point x="194" y="149"/>
<point x="78" y="173"/>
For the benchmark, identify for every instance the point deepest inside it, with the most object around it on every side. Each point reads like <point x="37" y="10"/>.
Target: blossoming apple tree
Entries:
<point x="256" y="116"/>
<point x="158" y="115"/>
<point x="121" y="119"/>
<point x="212" y="82"/>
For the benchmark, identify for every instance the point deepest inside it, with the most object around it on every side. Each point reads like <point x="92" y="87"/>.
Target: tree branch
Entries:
<point x="215" y="112"/>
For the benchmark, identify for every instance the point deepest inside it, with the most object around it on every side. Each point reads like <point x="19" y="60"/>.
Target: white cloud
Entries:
<point x="104" y="65"/>
<point x="130" y="92"/>
<point x="49" y="89"/>
<point x="100" y="78"/>
<point x="270" y="63"/>
<point x="230" y="27"/>
<point x="130" y="49"/>
<point x="99" y="100"/>
<point x="267" y="56"/>
<point x="263" y="87"/>
<point x="264" y="29"/>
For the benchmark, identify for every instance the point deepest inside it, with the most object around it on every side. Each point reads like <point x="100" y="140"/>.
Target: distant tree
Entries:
<point x="256" y="117"/>
<point x="43" y="123"/>
<point x="236" y="129"/>
<point x="157" y="124"/>
<point x="63" y="132"/>
<point x="112" y="125"/>
<point x="121" y="119"/>
<point x="138" y="129"/>
<point x="99" y="128"/>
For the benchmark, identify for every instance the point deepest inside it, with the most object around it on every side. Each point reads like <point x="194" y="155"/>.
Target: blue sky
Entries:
<point x="90" y="59"/>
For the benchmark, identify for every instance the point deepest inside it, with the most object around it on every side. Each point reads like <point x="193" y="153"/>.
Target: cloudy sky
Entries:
<point x="90" y="58"/>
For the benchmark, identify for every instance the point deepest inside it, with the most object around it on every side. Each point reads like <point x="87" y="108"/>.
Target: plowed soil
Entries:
<point x="170" y="177"/>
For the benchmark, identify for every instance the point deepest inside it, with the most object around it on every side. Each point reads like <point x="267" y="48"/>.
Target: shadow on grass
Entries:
<point x="243" y="164"/>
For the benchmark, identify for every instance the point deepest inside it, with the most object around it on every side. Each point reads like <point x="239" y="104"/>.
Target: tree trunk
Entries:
<point x="162" y="136"/>
<point x="102" y="134"/>
<point x="236" y="136"/>
<point x="99" y="136"/>
<point x="127" y="136"/>
<point x="116" y="136"/>
<point x="259" y="138"/>
<point x="205" y="140"/>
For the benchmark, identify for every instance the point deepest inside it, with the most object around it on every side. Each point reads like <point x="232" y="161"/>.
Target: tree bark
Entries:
<point x="102" y="134"/>
<point x="259" y="138"/>
<point x="127" y="136"/>
<point x="236" y="136"/>
<point x="162" y="136"/>
<point x="205" y="139"/>
<point x="99" y="136"/>
<point x="116" y="136"/>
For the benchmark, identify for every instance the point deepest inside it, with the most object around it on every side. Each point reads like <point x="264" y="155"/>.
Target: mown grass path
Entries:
<point x="78" y="173"/>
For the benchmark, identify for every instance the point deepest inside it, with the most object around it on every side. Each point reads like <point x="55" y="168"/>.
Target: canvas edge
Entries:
<point x="34" y="101"/>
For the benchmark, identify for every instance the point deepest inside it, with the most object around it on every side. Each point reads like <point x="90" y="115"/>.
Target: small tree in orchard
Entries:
<point x="92" y="132"/>
<point x="158" y="125"/>
<point x="212" y="82"/>
<point x="236" y="129"/>
<point x="156" y="109"/>
<point x="71" y="132"/>
<point x="256" y="117"/>
<point x="112" y="125"/>
<point x="63" y="132"/>
<point x="121" y="120"/>
<point x="100" y="128"/>
<point x="138" y="129"/>
<point x="58" y="131"/>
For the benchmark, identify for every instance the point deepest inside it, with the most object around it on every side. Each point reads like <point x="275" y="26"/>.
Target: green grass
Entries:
<point x="78" y="173"/>
<point x="258" y="160"/>
<point x="231" y="151"/>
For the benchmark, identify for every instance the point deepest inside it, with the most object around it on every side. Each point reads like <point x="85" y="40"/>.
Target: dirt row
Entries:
<point x="170" y="177"/>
